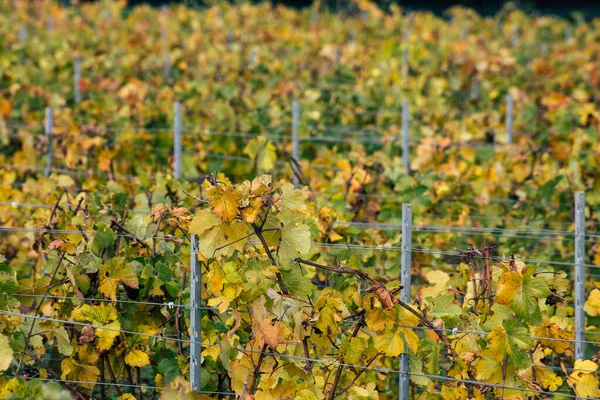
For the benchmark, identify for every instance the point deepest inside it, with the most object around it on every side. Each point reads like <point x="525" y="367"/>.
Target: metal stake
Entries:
<point x="579" y="275"/>
<point x="405" y="137"/>
<point x="403" y="393"/>
<point x="48" y="123"/>
<point x="195" y="315"/>
<point x="177" y="139"/>
<point x="509" y="118"/>
<point x="77" y="79"/>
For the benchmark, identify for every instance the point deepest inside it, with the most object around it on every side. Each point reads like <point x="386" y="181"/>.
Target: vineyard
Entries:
<point x="257" y="202"/>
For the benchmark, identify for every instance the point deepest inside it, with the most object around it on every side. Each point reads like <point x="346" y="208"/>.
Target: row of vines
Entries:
<point x="300" y="286"/>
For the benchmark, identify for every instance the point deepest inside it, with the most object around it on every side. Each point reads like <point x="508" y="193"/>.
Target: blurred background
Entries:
<point x="588" y="8"/>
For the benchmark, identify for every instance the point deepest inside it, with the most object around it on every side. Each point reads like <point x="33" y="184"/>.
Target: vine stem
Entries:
<point x="37" y="310"/>
<point x="338" y="374"/>
<point x="111" y="373"/>
<point x="102" y="379"/>
<point x="261" y="237"/>
<point x="306" y="354"/>
<point x="256" y="372"/>
<point x="362" y="371"/>
<point x="339" y="270"/>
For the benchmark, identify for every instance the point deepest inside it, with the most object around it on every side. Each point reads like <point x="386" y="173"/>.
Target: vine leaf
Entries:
<point x="6" y="353"/>
<point x="65" y="347"/>
<point x="115" y="271"/>
<point x="224" y="202"/>
<point x="292" y="201"/>
<point x="488" y="368"/>
<point x="295" y="242"/>
<point x="223" y="239"/>
<point x="262" y="327"/>
<point x="438" y="280"/>
<point x="511" y="340"/>
<point x="262" y="152"/>
<point x="521" y="292"/>
<point x="583" y="380"/>
<point x="204" y="220"/>
<point x="104" y="315"/>
<point x="137" y="358"/>
<point x="592" y="305"/>
<point x="298" y="285"/>
<point x="390" y="343"/>
<point x="81" y="367"/>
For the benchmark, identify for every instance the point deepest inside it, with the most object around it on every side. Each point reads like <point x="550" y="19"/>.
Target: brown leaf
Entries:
<point x="387" y="299"/>
<point x="87" y="335"/>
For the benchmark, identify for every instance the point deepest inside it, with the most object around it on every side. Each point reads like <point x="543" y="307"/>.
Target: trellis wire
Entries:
<point x="74" y="232"/>
<point x="525" y="260"/>
<point x="90" y="299"/>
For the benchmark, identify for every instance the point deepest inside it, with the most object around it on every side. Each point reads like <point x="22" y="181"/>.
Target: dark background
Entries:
<point x="589" y="8"/>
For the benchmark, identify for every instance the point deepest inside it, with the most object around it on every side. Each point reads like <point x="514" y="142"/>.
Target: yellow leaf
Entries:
<point x="507" y="287"/>
<point x="204" y="220"/>
<point x="126" y="396"/>
<point x="137" y="358"/>
<point x="552" y="382"/>
<point x="103" y="316"/>
<point x="583" y="380"/>
<point x="224" y="202"/>
<point x="439" y="280"/>
<point x="592" y="305"/>
<point x="390" y="343"/>
<point x="81" y="367"/>
<point x="6" y="353"/>
<point x="115" y="271"/>
<point x="223" y="238"/>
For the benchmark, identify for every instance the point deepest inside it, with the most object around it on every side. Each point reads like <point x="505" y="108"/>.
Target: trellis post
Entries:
<point x="48" y="123"/>
<point x="195" y="315"/>
<point x="295" y="140"/>
<point x="77" y="78"/>
<point x="474" y="88"/>
<point x="22" y="34"/>
<point x="167" y="72"/>
<point x="405" y="137"/>
<point x="177" y="139"/>
<point x="509" y="118"/>
<point x="579" y="275"/>
<point x="405" y="272"/>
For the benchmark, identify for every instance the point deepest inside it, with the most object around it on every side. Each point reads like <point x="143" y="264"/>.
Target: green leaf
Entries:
<point x="295" y="242"/>
<point x="169" y="366"/>
<point x="65" y="347"/>
<point x="262" y="152"/>
<point x="299" y="285"/>
<point x="136" y="225"/>
<point x="225" y="353"/>
<point x="89" y="262"/>
<point x="104" y="237"/>
<point x="444" y="306"/>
